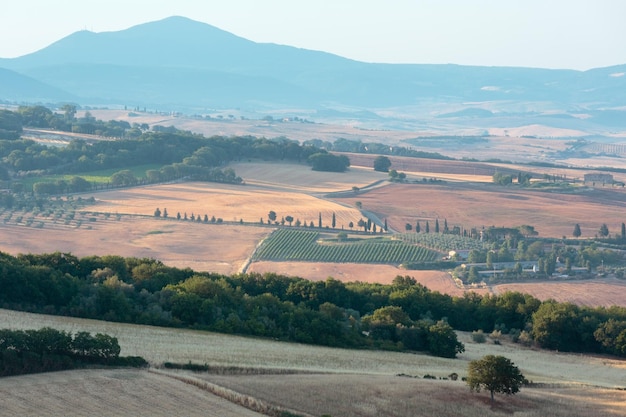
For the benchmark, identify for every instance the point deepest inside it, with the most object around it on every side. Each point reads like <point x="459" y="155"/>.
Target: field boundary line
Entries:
<point x="243" y="400"/>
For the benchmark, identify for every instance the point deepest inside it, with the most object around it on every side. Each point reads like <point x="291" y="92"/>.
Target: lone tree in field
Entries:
<point x="495" y="374"/>
<point x="382" y="164"/>
<point x="576" y="232"/>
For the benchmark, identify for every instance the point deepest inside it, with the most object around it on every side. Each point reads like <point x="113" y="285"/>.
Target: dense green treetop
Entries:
<point x="495" y="374"/>
<point x="403" y="315"/>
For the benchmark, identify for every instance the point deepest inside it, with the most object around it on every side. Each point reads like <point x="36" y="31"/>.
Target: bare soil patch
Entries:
<point x="592" y="293"/>
<point x="473" y="205"/>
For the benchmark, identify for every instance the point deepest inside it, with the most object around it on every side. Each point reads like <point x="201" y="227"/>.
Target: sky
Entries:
<point x="564" y="34"/>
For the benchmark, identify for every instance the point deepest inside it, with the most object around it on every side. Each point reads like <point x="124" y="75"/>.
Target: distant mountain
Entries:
<point x="16" y="87"/>
<point x="178" y="63"/>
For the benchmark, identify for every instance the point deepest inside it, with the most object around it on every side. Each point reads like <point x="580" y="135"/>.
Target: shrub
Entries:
<point x="478" y="336"/>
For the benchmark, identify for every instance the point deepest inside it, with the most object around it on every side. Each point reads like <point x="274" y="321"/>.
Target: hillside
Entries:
<point x="266" y="371"/>
<point x="16" y="87"/>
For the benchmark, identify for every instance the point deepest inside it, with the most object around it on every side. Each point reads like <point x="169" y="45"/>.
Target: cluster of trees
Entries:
<point x="403" y="315"/>
<point x="588" y="255"/>
<point x="10" y="125"/>
<point x="75" y="185"/>
<point x="47" y="349"/>
<point x="356" y="146"/>
<point x="180" y="154"/>
<point x="382" y="164"/>
<point x="66" y="121"/>
<point x="501" y="178"/>
<point x="324" y="161"/>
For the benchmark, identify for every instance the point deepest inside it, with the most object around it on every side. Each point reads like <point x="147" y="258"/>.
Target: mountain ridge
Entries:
<point x="183" y="64"/>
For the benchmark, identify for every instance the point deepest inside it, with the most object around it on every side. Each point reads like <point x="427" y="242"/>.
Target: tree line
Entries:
<point x="179" y="154"/>
<point x="402" y="315"/>
<point x="47" y="349"/>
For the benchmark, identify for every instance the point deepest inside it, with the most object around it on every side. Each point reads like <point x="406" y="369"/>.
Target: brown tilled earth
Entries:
<point x="480" y="205"/>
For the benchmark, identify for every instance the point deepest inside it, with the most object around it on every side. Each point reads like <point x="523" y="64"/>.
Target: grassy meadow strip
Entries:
<point x="99" y="177"/>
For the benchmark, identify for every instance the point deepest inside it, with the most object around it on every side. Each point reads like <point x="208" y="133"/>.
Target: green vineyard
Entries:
<point x="441" y="242"/>
<point x="302" y="245"/>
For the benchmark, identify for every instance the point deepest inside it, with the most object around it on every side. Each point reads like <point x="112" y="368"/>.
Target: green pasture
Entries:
<point x="94" y="177"/>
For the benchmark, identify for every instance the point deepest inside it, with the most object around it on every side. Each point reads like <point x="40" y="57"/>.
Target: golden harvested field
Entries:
<point x="356" y="383"/>
<point x="203" y="247"/>
<point x="474" y="205"/>
<point x="231" y="203"/>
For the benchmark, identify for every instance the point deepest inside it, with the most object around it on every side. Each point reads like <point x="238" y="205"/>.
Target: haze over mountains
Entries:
<point x="178" y="64"/>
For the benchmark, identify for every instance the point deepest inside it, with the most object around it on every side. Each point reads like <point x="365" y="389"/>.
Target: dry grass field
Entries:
<point x="327" y="380"/>
<point x="354" y="396"/>
<point x="203" y="247"/>
<point x="104" y="393"/>
<point x="300" y="177"/>
<point x="231" y="203"/>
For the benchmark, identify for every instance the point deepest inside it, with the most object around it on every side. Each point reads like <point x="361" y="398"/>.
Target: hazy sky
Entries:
<point x="577" y="34"/>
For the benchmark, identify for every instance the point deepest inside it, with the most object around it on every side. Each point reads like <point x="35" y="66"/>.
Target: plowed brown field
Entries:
<point x="474" y="205"/>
